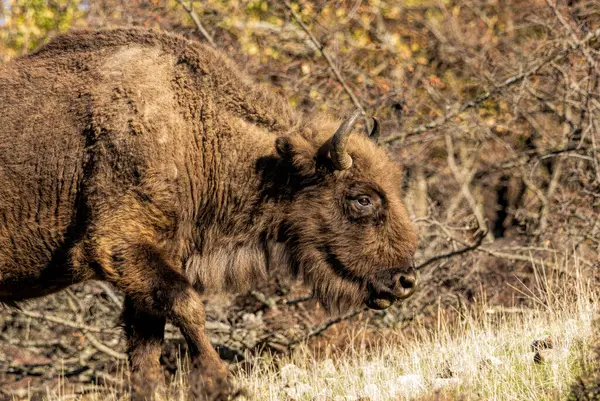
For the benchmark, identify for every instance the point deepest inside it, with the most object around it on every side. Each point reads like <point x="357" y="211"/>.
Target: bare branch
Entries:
<point x="460" y="108"/>
<point x="468" y="248"/>
<point x="68" y="323"/>
<point x="326" y="55"/>
<point x="299" y="299"/>
<point x="78" y="308"/>
<point x="468" y="176"/>
<point x="520" y="258"/>
<point x="595" y="131"/>
<point x="593" y="121"/>
<point x="199" y="25"/>
<point x="103" y="347"/>
<point x="574" y="38"/>
<point x="506" y="253"/>
<point x="458" y="176"/>
<point x="110" y="293"/>
<point x="549" y="194"/>
<point x="270" y="302"/>
<point x="323" y="327"/>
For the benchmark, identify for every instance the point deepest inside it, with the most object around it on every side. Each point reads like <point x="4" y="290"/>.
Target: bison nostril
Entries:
<point x="407" y="282"/>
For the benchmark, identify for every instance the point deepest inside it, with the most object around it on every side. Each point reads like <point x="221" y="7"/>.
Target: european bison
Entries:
<point x="148" y="161"/>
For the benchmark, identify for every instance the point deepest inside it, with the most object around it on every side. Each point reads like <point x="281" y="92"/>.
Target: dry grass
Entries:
<point x="479" y="354"/>
<point x="486" y="355"/>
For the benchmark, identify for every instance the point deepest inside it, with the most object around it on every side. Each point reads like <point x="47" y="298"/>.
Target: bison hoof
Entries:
<point x="213" y="389"/>
<point x="148" y="391"/>
<point x="147" y="384"/>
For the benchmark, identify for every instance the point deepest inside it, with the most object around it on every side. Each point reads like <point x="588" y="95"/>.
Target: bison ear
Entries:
<point x="298" y="153"/>
<point x="283" y="146"/>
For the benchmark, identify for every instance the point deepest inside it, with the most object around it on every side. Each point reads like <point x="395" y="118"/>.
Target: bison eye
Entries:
<point x="364" y="201"/>
<point x="363" y="205"/>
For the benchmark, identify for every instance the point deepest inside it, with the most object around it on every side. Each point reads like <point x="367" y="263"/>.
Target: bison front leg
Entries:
<point x="156" y="291"/>
<point x="208" y="377"/>
<point x="145" y="334"/>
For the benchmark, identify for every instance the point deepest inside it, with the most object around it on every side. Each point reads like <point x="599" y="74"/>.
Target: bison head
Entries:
<point x="346" y="227"/>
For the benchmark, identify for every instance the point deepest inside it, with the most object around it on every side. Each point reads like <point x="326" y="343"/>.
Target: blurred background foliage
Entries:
<point x="25" y="24"/>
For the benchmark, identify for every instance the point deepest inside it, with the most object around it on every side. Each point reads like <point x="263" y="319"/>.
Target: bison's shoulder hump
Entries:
<point x="100" y="43"/>
<point x="89" y="40"/>
<point x="106" y="51"/>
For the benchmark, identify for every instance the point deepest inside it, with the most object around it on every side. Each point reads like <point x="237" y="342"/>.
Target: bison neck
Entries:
<point x="236" y="223"/>
<point x="234" y="267"/>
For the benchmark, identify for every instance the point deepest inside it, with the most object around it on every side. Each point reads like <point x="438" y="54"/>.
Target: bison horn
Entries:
<point x="340" y="158"/>
<point x="374" y="135"/>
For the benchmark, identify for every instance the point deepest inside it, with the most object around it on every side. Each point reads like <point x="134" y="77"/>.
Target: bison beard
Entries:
<point x="150" y="162"/>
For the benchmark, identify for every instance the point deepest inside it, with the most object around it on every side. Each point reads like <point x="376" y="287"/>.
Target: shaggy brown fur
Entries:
<point x="146" y="160"/>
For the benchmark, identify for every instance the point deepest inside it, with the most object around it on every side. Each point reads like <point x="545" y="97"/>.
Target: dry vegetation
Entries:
<point x="493" y="109"/>
<point x="544" y="352"/>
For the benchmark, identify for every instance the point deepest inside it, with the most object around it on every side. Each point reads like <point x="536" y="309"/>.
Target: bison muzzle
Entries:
<point x="149" y="161"/>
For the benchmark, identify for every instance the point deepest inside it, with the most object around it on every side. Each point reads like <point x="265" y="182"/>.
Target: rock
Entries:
<point x="372" y="369"/>
<point x="551" y="356"/>
<point x="542" y="343"/>
<point x="491" y="361"/>
<point x="327" y="368"/>
<point x="441" y="383"/>
<point x="407" y="385"/>
<point x="372" y="392"/>
<point x="297" y="390"/>
<point x="291" y="374"/>
<point x="252" y="321"/>
<point x="322" y="396"/>
<point x="218" y="327"/>
<point x="411" y="381"/>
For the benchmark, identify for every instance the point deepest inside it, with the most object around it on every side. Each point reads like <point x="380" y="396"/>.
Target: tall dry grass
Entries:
<point x="483" y="353"/>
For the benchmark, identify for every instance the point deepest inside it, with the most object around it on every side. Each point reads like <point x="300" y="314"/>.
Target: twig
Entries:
<point x="574" y="37"/>
<point x="58" y="320"/>
<point x="552" y="107"/>
<point x="457" y="252"/>
<point x="512" y="256"/>
<point x="556" y="172"/>
<point x="460" y="108"/>
<point x="323" y="327"/>
<point x="326" y="55"/>
<point x="87" y="330"/>
<point x="270" y="302"/>
<point x="298" y="300"/>
<point x="516" y="162"/>
<point x="468" y="179"/>
<point x="501" y="253"/>
<point x="199" y="25"/>
<point x="465" y="188"/>
<point x="263" y="299"/>
<point x="104" y="348"/>
<point x="595" y="131"/>
<point x="521" y="258"/>
<point x="106" y="378"/>
<point x="593" y="83"/>
<point x="110" y="293"/>
<point x="78" y="308"/>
